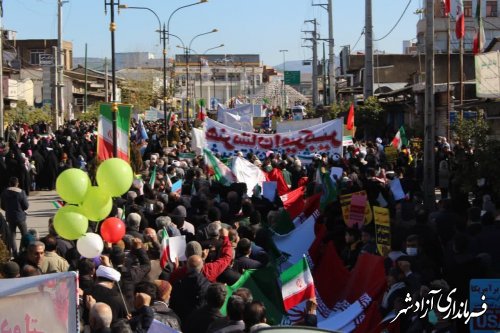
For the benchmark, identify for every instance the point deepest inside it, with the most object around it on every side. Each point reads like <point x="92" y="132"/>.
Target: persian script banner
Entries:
<point x="41" y="304"/>
<point x="318" y="139"/>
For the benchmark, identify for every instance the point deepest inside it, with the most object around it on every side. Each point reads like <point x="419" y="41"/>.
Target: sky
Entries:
<point x="245" y="26"/>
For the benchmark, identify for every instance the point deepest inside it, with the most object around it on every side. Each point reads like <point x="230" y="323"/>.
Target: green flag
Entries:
<point x="329" y="190"/>
<point x="153" y="178"/>
<point x="263" y="283"/>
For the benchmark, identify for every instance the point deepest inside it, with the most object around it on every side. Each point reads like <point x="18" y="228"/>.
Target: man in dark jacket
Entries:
<point x="15" y="202"/>
<point x="188" y="293"/>
<point x="200" y="319"/>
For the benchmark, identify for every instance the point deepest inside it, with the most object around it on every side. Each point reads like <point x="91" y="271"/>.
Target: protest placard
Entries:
<point x="357" y="210"/>
<point x="345" y="203"/>
<point x="382" y="229"/>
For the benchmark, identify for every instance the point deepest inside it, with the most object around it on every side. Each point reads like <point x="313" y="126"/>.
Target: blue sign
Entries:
<point x="466" y="114"/>
<point x="489" y="322"/>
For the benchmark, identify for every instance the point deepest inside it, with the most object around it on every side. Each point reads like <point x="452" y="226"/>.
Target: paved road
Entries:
<point x="41" y="209"/>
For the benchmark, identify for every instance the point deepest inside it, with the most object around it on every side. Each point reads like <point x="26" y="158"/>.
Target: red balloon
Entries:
<point x="112" y="230"/>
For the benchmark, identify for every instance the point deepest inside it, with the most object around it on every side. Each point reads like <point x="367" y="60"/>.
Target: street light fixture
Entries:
<point x="186" y="54"/>
<point x="175" y="11"/>
<point x="201" y="79"/>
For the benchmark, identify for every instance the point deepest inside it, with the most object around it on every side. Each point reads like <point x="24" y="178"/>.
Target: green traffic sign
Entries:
<point x="292" y="77"/>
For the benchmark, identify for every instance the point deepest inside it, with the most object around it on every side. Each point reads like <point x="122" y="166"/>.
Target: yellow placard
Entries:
<point x="391" y="154"/>
<point x="345" y="203"/>
<point x="382" y="229"/>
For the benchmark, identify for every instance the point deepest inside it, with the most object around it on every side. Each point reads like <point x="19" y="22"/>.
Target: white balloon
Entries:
<point x="90" y="245"/>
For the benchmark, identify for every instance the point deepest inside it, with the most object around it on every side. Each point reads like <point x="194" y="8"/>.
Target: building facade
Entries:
<point x="490" y="19"/>
<point x="219" y="76"/>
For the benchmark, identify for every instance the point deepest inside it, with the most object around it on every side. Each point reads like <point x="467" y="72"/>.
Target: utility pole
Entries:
<point x="284" y="83"/>
<point x="315" y="65"/>
<point x="60" y="63"/>
<point x="331" y="54"/>
<point x="368" y="75"/>
<point x="325" y="95"/>
<point x="429" y="117"/>
<point x="85" y="104"/>
<point x="55" y="100"/>
<point x="314" y="40"/>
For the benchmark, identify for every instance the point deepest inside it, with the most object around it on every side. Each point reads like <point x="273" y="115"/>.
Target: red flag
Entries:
<point x="350" y="118"/>
<point x="447" y="7"/>
<point x="460" y="25"/>
<point x="277" y="176"/>
<point x="293" y="202"/>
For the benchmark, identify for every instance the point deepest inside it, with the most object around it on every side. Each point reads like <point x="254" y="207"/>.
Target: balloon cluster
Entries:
<point x="86" y="202"/>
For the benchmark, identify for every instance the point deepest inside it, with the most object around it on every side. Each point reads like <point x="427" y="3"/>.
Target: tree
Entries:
<point x="140" y="93"/>
<point x="471" y="132"/>
<point x="369" y="117"/>
<point x="23" y="113"/>
<point x="92" y="113"/>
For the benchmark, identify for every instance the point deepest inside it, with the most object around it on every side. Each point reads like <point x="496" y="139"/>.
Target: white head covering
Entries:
<point x="108" y="273"/>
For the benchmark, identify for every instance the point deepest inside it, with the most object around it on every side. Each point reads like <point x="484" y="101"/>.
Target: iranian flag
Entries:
<point x="217" y="169"/>
<point x="479" y="39"/>
<point x="400" y="139"/>
<point x="105" y="132"/>
<point x="164" y="250"/>
<point x="297" y="284"/>
<point x="460" y="20"/>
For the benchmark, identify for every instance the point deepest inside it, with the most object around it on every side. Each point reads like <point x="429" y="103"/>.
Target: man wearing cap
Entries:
<point x="178" y="217"/>
<point x="104" y="290"/>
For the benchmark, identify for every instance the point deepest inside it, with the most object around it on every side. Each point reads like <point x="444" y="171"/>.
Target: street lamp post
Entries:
<point x="201" y="79"/>
<point x="167" y="34"/>
<point x="163" y="38"/>
<point x="114" y="103"/>
<point x="284" y="86"/>
<point x="186" y="54"/>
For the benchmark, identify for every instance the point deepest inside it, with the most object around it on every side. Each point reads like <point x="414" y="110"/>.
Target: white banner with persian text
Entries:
<point x="322" y="138"/>
<point x="296" y="125"/>
<point x="42" y="304"/>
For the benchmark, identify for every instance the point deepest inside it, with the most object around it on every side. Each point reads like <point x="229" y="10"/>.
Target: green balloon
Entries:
<point x="72" y="185"/>
<point x="70" y="223"/>
<point x="115" y="176"/>
<point x="97" y="204"/>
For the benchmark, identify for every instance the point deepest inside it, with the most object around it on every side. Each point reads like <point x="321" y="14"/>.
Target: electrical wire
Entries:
<point x="355" y="44"/>
<point x="397" y="22"/>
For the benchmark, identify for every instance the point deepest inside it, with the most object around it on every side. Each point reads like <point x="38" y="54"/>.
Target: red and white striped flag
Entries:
<point x="164" y="249"/>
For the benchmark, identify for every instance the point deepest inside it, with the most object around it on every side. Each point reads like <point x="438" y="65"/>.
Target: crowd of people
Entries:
<point x="228" y="232"/>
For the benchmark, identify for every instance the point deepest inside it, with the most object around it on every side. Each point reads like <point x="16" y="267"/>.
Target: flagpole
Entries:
<point x="462" y="70"/>
<point x="448" y="96"/>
